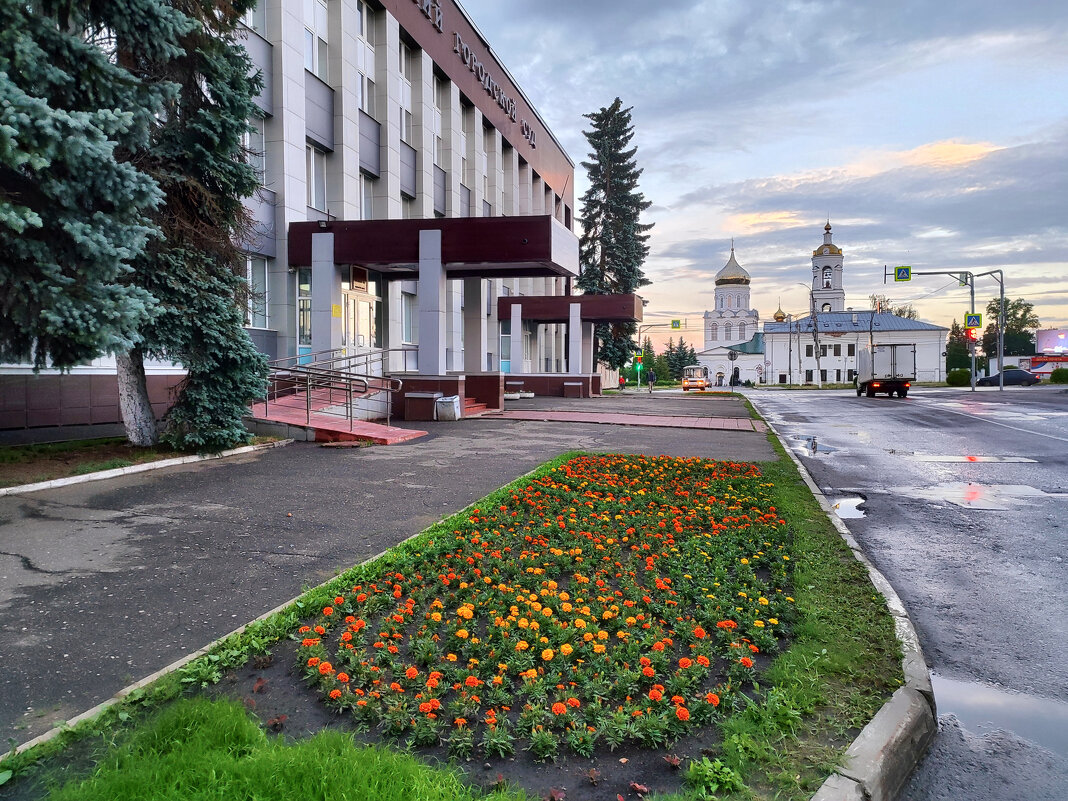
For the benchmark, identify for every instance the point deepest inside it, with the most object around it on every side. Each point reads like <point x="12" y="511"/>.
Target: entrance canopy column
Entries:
<point x="326" y="309"/>
<point x="517" y="338"/>
<point x="431" y="305"/>
<point x="574" y="339"/>
<point x="475" y="330"/>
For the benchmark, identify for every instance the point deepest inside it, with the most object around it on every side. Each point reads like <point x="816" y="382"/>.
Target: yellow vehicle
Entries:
<point x="694" y="377"/>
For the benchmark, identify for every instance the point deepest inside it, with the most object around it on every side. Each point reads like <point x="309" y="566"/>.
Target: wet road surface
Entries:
<point x="961" y="500"/>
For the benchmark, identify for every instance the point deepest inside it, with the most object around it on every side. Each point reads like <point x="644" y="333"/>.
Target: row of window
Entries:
<point x="832" y="350"/>
<point x="824" y="376"/>
<point x="728" y="330"/>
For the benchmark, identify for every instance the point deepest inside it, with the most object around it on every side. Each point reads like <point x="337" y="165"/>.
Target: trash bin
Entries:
<point x="447" y="408"/>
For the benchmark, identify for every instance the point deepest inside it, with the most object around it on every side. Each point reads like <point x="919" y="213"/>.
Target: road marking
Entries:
<point x="942" y="407"/>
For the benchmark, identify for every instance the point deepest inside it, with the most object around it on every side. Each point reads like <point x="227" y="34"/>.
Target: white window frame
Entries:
<point x="408" y="325"/>
<point x="316" y="43"/>
<point x="315" y="163"/>
<point x="255" y="143"/>
<point x="257" y="270"/>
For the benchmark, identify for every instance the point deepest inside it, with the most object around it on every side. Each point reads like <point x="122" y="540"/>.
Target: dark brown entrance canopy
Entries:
<point x="557" y="308"/>
<point x="471" y="247"/>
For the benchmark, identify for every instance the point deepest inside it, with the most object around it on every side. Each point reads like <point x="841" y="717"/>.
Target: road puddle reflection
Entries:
<point x="848" y="507"/>
<point x="977" y="496"/>
<point x="983" y="709"/>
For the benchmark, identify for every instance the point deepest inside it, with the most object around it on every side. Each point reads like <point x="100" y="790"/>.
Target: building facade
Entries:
<point x="370" y="111"/>
<point x="733" y="348"/>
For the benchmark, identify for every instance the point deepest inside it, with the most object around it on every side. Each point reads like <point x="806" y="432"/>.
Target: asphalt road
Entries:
<point x="106" y="582"/>
<point x="961" y="500"/>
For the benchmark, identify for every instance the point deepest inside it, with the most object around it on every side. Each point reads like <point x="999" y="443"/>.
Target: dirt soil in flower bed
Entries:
<point x="624" y="601"/>
<point x="273" y="690"/>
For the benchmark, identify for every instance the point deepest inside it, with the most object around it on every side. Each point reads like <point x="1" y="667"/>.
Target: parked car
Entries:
<point x="1012" y="377"/>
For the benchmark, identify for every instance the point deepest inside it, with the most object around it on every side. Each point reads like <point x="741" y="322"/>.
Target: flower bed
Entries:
<point x="607" y="600"/>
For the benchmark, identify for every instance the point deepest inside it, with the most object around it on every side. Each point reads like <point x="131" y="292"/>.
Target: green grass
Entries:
<point x="21" y="454"/>
<point x="93" y="467"/>
<point x="198" y="750"/>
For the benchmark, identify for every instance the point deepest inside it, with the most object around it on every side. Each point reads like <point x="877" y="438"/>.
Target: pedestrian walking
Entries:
<point x="652" y="380"/>
<point x="622" y="382"/>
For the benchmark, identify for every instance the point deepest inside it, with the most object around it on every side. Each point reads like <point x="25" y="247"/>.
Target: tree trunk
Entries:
<point x="136" y="410"/>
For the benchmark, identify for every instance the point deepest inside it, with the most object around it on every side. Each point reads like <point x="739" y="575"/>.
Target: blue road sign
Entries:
<point x="973" y="320"/>
<point x="903" y="273"/>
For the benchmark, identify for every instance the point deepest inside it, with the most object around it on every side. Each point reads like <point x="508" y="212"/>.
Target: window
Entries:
<point x="826" y="307"/>
<point x="256" y="275"/>
<point x="367" y="197"/>
<point x="316" y="180"/>
<point x="851" y="350"/>
<point x="808" y="376"/>
<point x="408" y="208"/>
<point x="837" y="350"/>
<point x="850" y="375"/>
<point x="826" y="277"/>
<point x="316" y="52"/>
<point x="782" y="378"/>
<point x="727" y="332"/>
<point x="823" y="375"/>
<point x="406" y="126"/>
<point x="304" y="336"/>
<point x="406" y="62"/>
<point x="256" y="18"/>
<point x="808" y="351"/>
<point x="741" y="330"/>
<point x="407" y="318"/>
<point x="365" y="94"/>
<point x="365" y="21"/>
<point x="255" y="147"/>
<point x="713" y="332"/>
<point x="823" y="351"/>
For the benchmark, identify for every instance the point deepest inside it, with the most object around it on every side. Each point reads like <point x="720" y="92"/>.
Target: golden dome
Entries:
<point x="732" y="272"/>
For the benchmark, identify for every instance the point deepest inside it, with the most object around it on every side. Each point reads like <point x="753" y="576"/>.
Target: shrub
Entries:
<point x="1059" y="376"/>
<point x="958" y="378"/>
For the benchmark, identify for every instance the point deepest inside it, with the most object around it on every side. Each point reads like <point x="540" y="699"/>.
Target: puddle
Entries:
<point x="813" y="445"/>
<point x="977" y="496"/>
<point x="983" y="709"/>
<point x="935" y="457"/>
<point x="848" y="507"/>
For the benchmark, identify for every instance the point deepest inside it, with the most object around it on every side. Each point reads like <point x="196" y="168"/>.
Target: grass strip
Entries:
<point x="200" y="750"/>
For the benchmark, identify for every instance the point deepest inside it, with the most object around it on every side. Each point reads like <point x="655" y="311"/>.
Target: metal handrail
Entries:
<point x="332" y="370"/>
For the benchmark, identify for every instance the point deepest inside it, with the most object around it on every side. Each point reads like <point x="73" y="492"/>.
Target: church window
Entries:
<point x="826" y="277"/>
<point x="713" y="332"/>
<point x="741" y="330"/>
<point x="727" y="332"/>
<point x="730" y="301"/>
<point x="826" y="307"/>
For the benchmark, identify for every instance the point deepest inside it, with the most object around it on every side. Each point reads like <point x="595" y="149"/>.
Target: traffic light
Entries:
<point x="973" y="335"/>
<point x="638" y="362"/>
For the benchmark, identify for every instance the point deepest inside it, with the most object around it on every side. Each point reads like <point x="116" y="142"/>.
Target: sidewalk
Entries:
<point x="105" y="582"/>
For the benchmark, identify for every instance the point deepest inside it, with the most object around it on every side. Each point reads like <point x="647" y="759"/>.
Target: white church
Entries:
<point x="816" y="348"/>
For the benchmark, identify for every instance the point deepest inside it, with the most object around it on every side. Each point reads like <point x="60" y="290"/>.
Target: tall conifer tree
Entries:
<point x="614" y="245"/>
<point x="196" y="269"/>
<point x="73" y="211"/>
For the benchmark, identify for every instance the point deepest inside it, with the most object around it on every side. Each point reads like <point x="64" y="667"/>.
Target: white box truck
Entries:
<point x="886" y="368"/>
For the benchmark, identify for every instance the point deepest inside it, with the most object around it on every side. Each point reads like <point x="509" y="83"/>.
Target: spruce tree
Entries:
<point x="73" y="211"/>
<point x="613" y="246"/>
<point x="195" y="270"/>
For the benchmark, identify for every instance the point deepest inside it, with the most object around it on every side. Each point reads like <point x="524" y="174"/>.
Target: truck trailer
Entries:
<point x="886" y="368"/>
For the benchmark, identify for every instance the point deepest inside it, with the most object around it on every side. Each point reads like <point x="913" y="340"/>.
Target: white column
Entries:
<point x="454" y="325"/>
<point x="575" y="339"/>
<point x="475" y="336"/>
<point x="326" y="320"/>
<point x="517" y="339"/>
<point x="587" y="348"/>
<point x="431" y="305"/>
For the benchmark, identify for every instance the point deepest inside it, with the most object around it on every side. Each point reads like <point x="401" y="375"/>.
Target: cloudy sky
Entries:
<point x="931" y="132"/>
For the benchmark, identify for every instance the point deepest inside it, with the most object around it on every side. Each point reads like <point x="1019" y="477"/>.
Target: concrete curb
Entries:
<point x="879" y="762"/>
<point x="138" y="468"/>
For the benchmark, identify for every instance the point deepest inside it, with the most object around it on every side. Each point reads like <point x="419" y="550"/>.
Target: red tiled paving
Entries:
<point x="331" y="428"/>
<point x="657" y="420"/>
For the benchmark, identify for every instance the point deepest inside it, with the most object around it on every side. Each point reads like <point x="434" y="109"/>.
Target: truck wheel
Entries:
<point x="859" y="390"/>
<point x="870" y="392"/>
<point x="902" y="393"/>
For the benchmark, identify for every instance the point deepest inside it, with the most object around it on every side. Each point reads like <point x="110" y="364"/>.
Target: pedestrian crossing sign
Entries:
<point x="676" y="323"/>
<point x="973" y="320"/>
<point x="903" y="273"/>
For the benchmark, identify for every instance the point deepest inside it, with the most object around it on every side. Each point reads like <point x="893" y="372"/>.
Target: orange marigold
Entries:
<point x="559" y="709"/>
<point x="682" y="713"/>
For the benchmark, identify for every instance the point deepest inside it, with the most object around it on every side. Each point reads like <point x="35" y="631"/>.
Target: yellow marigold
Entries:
<point x="536" y="606"/>
<point x="522" y="622"/>
<point x="598" y="649"/>
<point x="762" y="601"/>
<point x="462" y="634"/>
<point x="566" y="649"/>
<point x="566" y="607"/>
<point x="587" y="636"/>
<point x="580" y="623"/>
<point x="758" y="623"/>
<point x="773" y="621"/>
<point x="602" y="635"/>
<point x="522" y="645"/>
<point x="548" y="654"/>
<point x="547" y="612"/>
<point x="745" y="561"/>
<point x="436" y="617"/>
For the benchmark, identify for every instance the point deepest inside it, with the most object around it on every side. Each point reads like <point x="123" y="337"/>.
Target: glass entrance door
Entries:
<point x="360" y="313"/>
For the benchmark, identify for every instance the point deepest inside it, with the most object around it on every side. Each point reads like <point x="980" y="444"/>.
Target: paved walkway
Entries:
<point x="655" y="420"/>
<point x="106" y="582"/>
